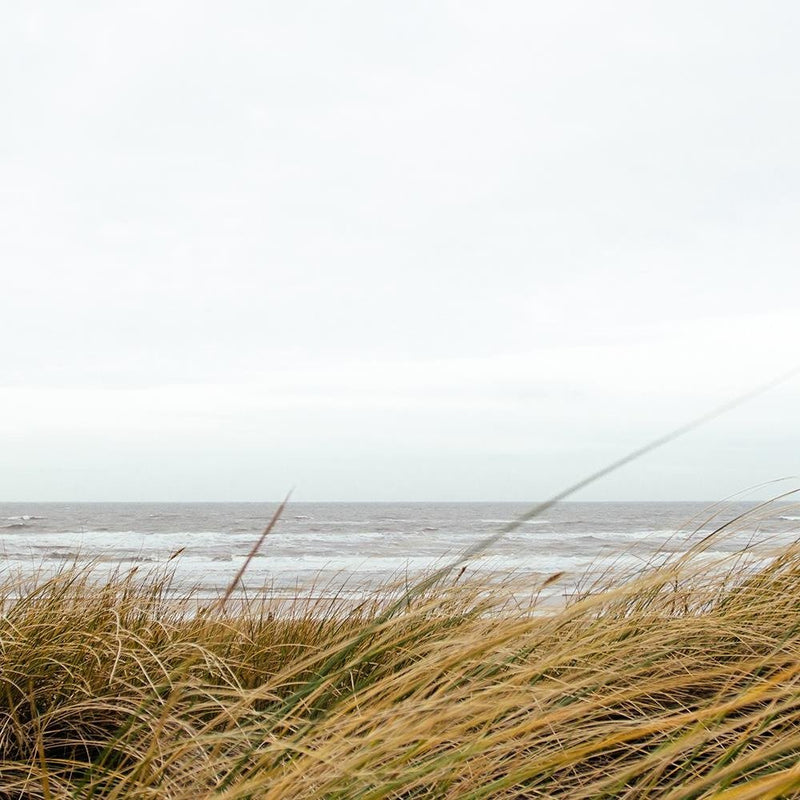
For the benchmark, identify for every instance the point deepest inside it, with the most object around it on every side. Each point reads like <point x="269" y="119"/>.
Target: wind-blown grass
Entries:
<point x="680" y="682"/>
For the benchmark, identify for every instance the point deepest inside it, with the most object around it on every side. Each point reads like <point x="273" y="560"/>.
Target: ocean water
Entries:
<point x="330" y="547"/>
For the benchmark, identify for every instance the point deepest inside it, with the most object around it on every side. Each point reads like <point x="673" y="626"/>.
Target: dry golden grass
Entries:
<point x="682" y="682"/>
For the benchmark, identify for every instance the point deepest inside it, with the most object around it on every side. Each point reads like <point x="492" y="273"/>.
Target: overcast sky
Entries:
<point x="395" y="250"/>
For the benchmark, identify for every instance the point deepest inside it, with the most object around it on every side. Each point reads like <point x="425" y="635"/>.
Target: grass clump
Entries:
<point x="681" y="682"/>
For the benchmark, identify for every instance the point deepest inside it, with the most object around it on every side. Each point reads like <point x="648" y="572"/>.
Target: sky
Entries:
<point x="396" y="251"/>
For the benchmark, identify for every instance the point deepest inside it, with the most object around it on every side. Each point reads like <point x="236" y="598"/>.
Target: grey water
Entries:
<point x="337" y="545"/>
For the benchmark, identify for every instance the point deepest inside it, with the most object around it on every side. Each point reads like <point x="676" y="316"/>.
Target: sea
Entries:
<point x="356" y="547"/>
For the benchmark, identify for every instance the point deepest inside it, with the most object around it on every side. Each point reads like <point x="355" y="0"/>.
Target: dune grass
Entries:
<point x="679" y="682"/>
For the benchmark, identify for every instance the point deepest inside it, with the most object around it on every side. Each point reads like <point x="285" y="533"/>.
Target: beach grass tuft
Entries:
<point x="682" y="681"/>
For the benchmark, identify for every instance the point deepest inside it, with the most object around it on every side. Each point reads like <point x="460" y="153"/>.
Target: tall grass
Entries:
<point x="679" y="682"/>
